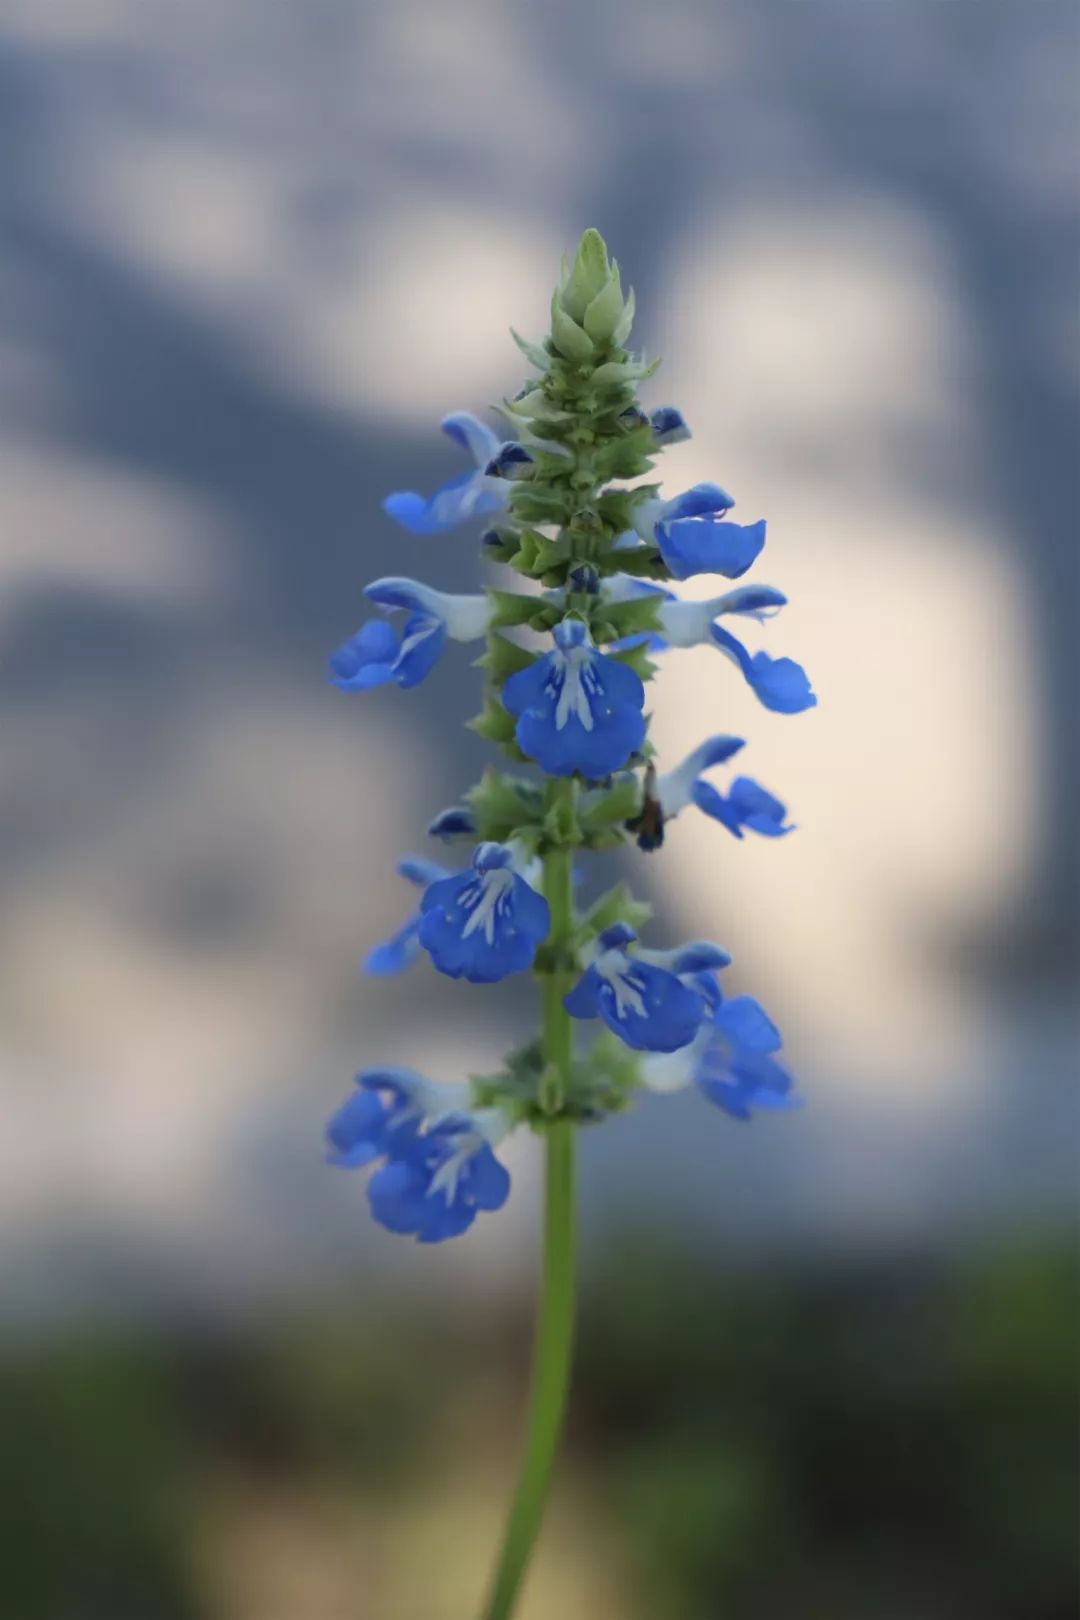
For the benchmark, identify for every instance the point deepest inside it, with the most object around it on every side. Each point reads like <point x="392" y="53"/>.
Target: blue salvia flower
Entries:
<point x="577" y="711"/>
<point x="485" y="923"/>
<point x="457" y="821"/>
<point x="669" y="426"/>
<point x="379" y="654"/>
<point x="732" y="1058"/>
<point x="692" y="535"/>
<point x="644" y="997"/>
<point x="746" y="805"/>
<point x="439" y="1167"/>
<point x="472" y="494"/>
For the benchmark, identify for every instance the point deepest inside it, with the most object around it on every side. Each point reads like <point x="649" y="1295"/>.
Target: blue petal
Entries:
<point x="395" y="954"/>
<point x="422" y="640"/>
<point x="780" y="684"/>
<point x="367" y="659"/>
<point x="355" y="1133"/>
<point x="394" y="592"/>
<point x="753" y="599"/>
<point x="473" y="435"/>
<point x="419" y="871"/>
<point x="700" y="956"/>
<point x="488" y="1181"/>
<point x="459" y="498"/>
<point x="455" y="822"/>
<point x="583" y="1000"/>
<point x="747" y="1025"/>
<point x="701" y="501"/>
<point x="669" y="426"/>
<point x="690" y="546"/>
<point x="397" y="1195"/>
<point x="758" y="809"/>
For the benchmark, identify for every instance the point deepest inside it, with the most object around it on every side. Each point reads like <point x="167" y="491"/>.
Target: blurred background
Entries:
<point x="251" y="254"/>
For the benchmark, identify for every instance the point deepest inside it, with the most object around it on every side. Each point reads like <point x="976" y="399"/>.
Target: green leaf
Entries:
<point x="568" y="337"/>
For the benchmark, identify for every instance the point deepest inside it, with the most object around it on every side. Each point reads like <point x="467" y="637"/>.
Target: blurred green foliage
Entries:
<point x="850" y="1440"/>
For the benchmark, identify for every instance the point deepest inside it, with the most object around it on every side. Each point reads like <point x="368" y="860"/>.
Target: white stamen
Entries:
<point x="484" y="909"/>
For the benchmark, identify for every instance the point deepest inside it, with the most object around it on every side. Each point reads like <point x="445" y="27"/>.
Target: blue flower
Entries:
<point x="731" y="1060"/>
<point x="642" y="998"/>
<point x="485" y="923"/>
<point x="669" y="427"/>
<point x="780" y="684"/>
<point x="745" y="805"/>
<point x="455" y="822"/>
<point x="577" y="711"/>
<point x="473" y="494"/>
<point x="511" y="460"/>
<point x="379" y="654"/>
<point x="692" y="536"/>
<point x="439" y="1169"/>
<point x="403" y="948"/>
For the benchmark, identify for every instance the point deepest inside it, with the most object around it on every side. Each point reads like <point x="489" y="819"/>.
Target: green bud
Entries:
<point x="569" y="338"/>
<point x="503" y="805"/>
<point x="604" y="315"/>
<point x="590" y="275"/>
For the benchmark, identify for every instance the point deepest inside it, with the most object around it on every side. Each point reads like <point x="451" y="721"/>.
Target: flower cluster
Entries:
<point x="567" y="658"/>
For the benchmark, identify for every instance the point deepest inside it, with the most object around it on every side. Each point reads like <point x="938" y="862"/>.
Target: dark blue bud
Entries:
<point x="584" y="579"/>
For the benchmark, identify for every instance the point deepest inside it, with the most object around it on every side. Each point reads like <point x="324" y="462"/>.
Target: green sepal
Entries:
<point x="611" y="806"/>
<point x="617" y="905"/>
<point x="539" y="555"/>
<point x="625" y="457"/>
<point x="614" y="373"/>
<point x="560" y="825"/>
<point x="508" y="541"/>
<point x="504" y="658"/>
<point x="511" y="610"/>
<point x="637" y="659"/>
<point x="535" y="405"/>
<point x="504" y="805"/>
<point x="534" y="353"/>
<point x="568" y="337"/>
<point x="493" y="722"/>
<point x="616" y="506"/>
<point x="588" y="277"/>
<point x="622" y="330"/>
<point x="631" y="618"/>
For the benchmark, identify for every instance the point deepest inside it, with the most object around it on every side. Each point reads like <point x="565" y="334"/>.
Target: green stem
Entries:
<point x="555" y="1318"/>
<point x="551" y="1374"/>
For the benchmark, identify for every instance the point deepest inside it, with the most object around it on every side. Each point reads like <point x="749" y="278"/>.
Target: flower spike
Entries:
<point x="590" y="550"/>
